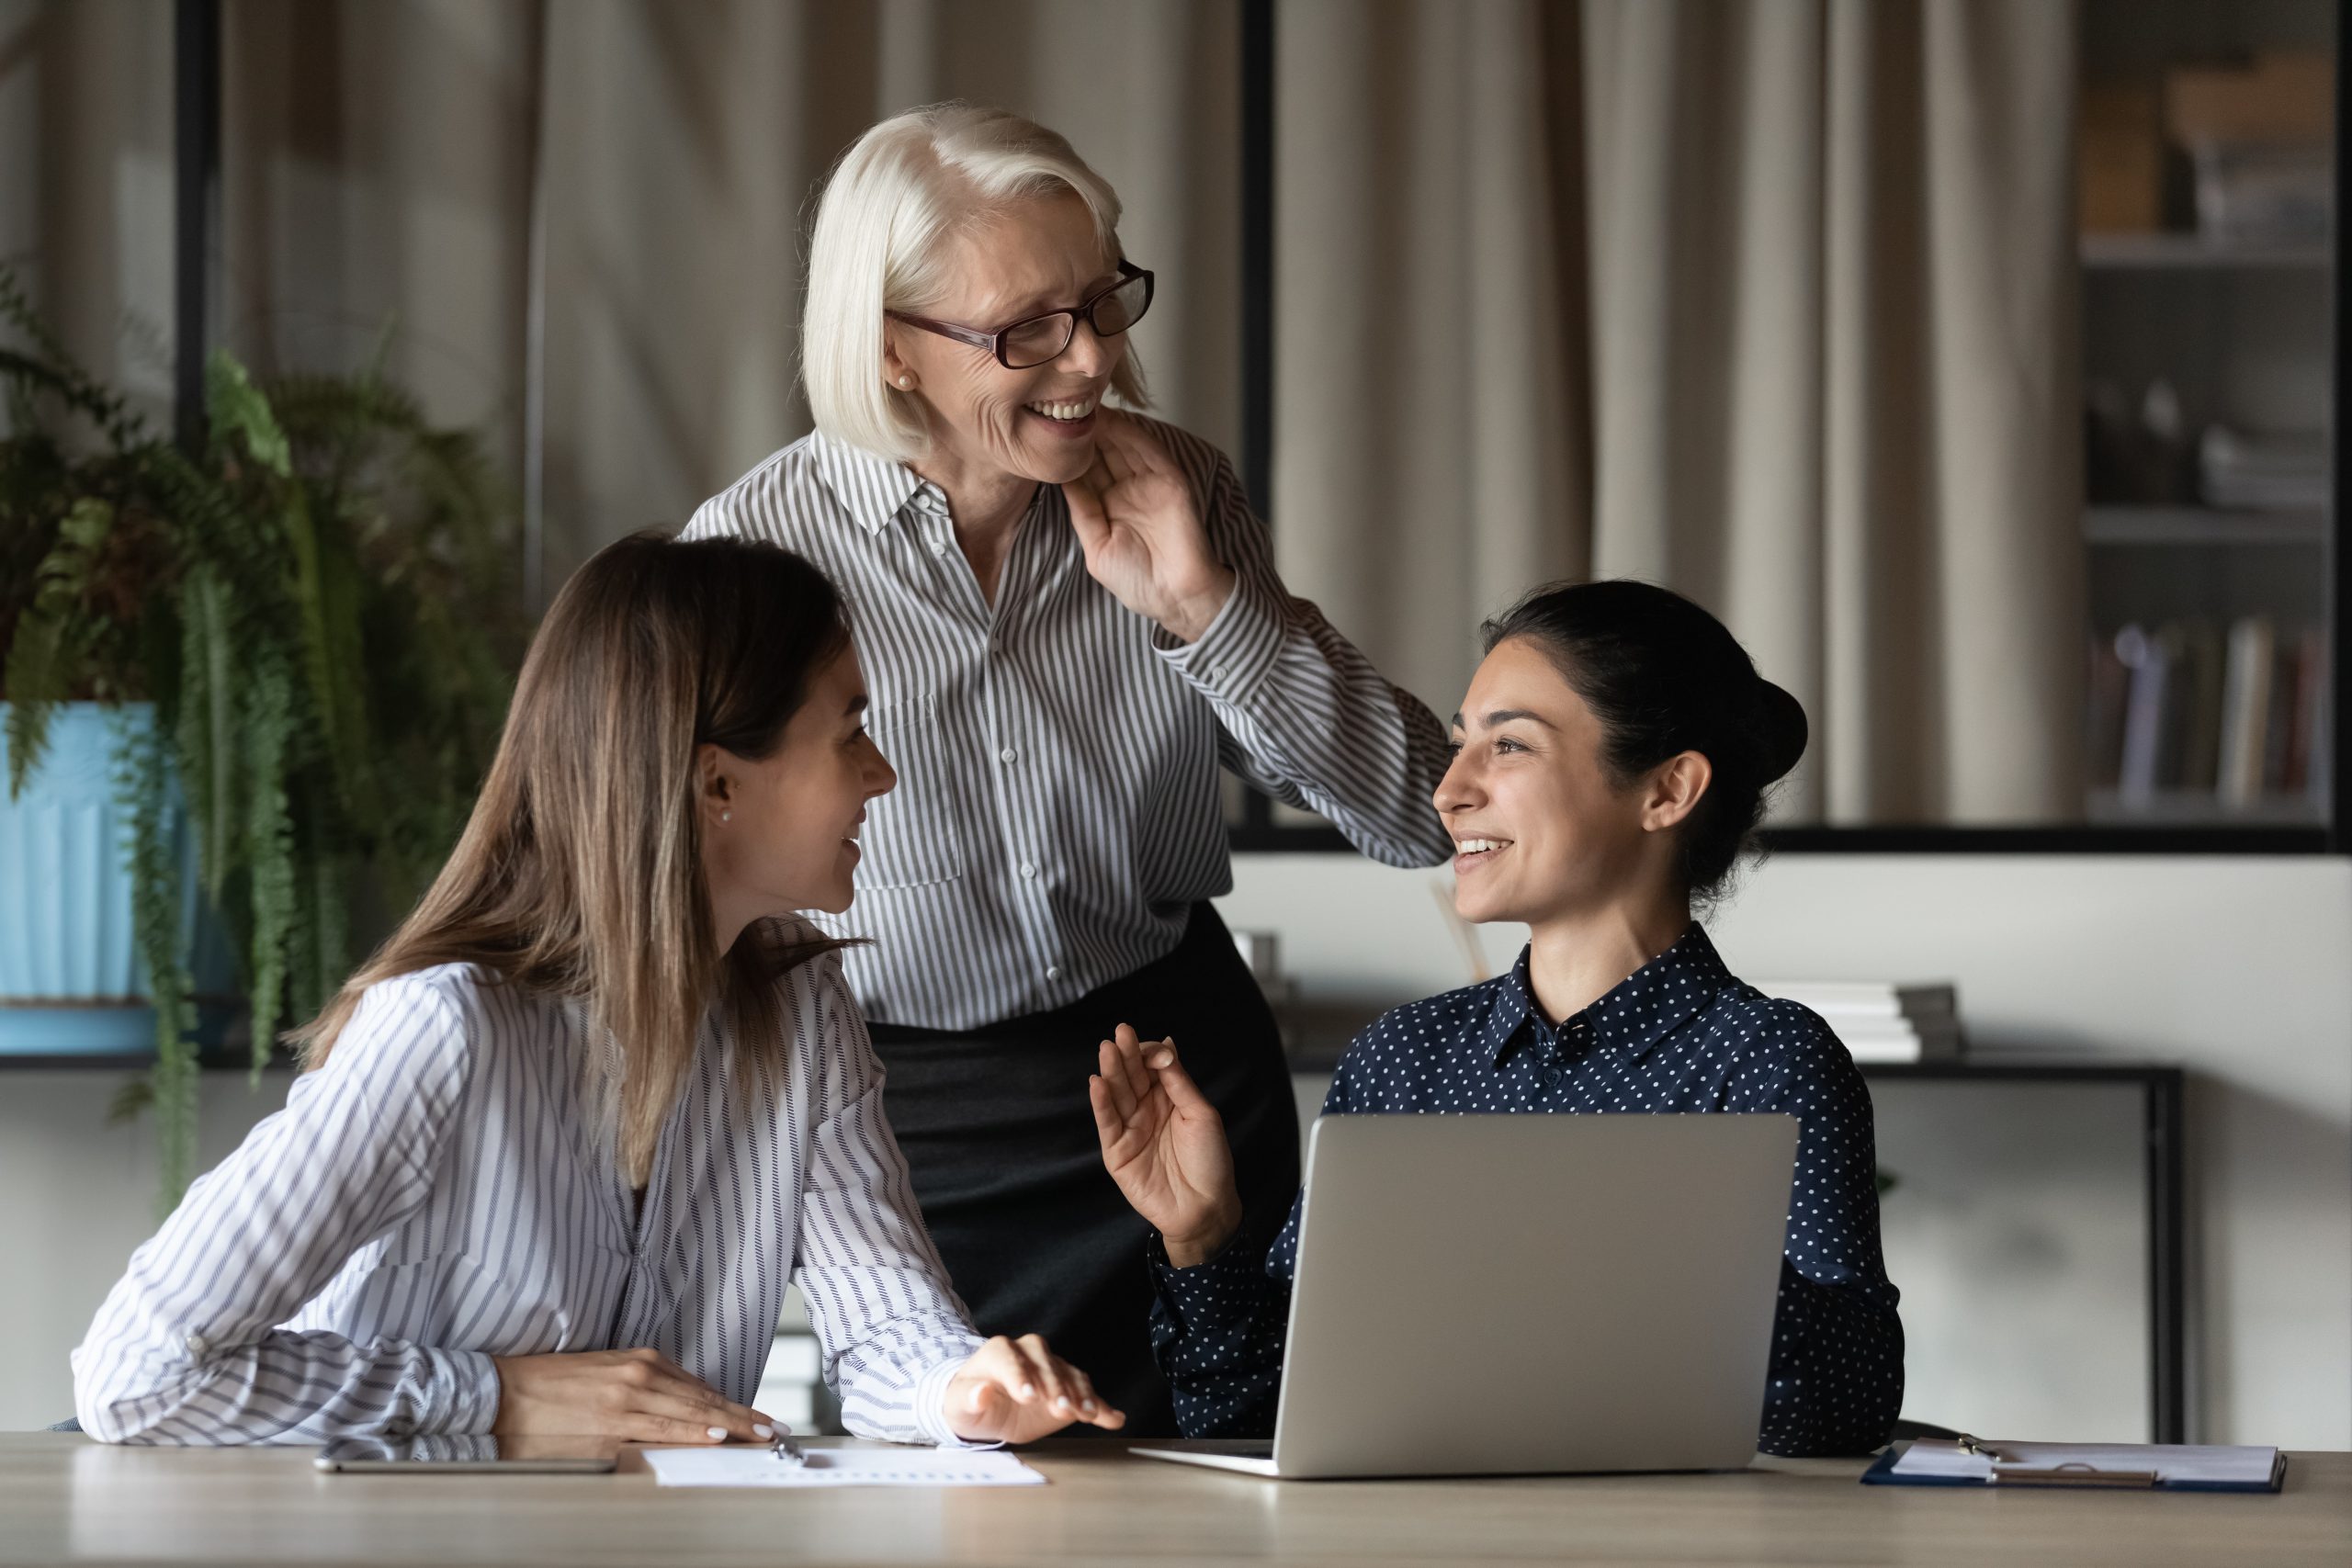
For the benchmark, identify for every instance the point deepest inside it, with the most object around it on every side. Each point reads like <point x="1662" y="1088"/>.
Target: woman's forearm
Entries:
<point x="288" y="1383"/>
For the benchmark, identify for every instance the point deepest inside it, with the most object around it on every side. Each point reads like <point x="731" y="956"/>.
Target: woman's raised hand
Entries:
<point x="1142" y="537"/>
<point x="638" y="1396"/>
<point x="1164" y="1144"/>
<point x="1016" y="1391"/>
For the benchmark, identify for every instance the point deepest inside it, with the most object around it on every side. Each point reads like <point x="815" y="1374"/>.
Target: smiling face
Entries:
<point x="1541" y="831"/>
<point x="985" y="420"/>
<point x="788" y="837"/>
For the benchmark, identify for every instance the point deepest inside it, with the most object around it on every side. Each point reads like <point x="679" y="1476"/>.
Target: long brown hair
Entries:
<point x="579" y="874"/>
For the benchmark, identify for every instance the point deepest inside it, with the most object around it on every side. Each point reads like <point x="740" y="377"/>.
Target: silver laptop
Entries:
<point x="1498" y="1294"/>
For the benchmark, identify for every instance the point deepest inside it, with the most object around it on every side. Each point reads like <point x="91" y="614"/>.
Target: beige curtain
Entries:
<point x="635" y="171"/>
<point x="1768" y="301"/>
<point x="85" y="179"/>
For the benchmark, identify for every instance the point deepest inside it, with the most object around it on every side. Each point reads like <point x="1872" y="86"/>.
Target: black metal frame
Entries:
<point x="1257" y="831"/>
<point x="195" y="184"/>
<point x="1258" y="331"/>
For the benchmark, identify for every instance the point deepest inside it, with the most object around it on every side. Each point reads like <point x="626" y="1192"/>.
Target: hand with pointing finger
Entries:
<point x="1141" y="534"/>
<point x="1164" y="1144"/>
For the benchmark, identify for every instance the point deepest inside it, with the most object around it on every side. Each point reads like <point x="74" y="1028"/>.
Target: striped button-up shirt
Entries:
<point x="1057" y="811"/>
<point x="439" y="1193"/>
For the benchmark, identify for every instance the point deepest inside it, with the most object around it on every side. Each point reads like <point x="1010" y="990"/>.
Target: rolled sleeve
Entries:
<point x="461" y="1392"/>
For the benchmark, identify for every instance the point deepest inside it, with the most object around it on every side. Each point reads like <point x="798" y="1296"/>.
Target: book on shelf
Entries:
<point x="2247" y="710"/>
<point x="2192" y="709"/>
<point x="1879" y="1022"/>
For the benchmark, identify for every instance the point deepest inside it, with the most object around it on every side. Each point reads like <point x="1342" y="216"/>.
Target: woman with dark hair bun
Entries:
<point x="1612" y="757"/>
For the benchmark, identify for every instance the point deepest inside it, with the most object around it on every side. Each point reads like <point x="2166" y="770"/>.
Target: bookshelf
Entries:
<point x="2207" y="297"/>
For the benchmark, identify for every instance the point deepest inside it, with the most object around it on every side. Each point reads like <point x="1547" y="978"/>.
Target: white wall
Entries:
<point x="80" y="1196"/>
<point x="2014" y="1234"/>
<point x="2016" y="1230"/>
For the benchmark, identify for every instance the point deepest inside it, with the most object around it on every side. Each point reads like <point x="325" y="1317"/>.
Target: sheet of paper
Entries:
<point x="841" y="1467"/>
<point x="2211" y="1465"/>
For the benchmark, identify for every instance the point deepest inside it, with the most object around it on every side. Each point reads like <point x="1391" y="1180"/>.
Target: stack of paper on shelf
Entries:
<point x="1879" y="1020"/>
<point x="2280" y="471"/>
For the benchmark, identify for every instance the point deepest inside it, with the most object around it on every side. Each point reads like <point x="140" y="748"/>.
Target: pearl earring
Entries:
<point x="727" y="817"/>
<point x="906" y="380"/>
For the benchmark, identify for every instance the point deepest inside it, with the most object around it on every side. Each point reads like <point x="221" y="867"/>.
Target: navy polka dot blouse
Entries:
<point x="1682" y="1034"/>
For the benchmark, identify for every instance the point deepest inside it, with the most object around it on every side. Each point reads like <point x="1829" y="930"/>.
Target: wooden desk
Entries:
<point x="65" y="1499"/>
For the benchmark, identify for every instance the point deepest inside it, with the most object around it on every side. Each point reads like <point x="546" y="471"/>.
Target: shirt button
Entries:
<point x="1554" y="1076"/>
<point x="1053" y="971"/>
<point x="1028" y="868"/>
<point x="1216" y="671"/>
<point x="198" y="1344"/>
<point x="1008" y="755"/>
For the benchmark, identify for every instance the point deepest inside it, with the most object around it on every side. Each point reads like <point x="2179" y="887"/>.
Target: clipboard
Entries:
<point x="2107" y="1467"/>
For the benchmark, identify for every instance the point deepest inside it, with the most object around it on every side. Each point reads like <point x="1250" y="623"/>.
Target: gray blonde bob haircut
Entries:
<point x="902" y="191"/>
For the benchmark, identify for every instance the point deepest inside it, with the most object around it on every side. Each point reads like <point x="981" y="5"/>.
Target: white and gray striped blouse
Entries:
<point x="437" y="1194"/>
<point x="1058" y="810"/>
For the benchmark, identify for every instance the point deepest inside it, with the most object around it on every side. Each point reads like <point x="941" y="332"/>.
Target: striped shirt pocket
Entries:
<point x="909" y="839"/>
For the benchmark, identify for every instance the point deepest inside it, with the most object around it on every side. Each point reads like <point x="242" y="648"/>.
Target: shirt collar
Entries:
<point x="871" y="488"/>
<point x="1645" y="1008"/>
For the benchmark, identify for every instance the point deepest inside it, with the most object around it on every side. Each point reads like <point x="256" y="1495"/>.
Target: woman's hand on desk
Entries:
<point x="1016" y="1391"/>
<point x="639" y="1396"/>
<point x="1164" y="1144"/>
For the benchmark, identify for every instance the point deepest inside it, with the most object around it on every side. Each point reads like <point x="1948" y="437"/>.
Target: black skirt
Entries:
<point x="999" y="1138"/>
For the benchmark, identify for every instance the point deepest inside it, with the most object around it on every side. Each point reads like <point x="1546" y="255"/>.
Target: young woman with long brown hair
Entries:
<point x="562" y="1143"/>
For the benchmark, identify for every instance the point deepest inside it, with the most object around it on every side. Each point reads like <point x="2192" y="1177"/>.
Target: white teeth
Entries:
<point x="1480" y="846"/>
<point x="1062" y="410"/>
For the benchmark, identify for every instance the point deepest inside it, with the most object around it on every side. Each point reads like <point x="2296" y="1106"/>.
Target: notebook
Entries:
<point x="2172" y="1467"/>
<point x="755" y="1466"/>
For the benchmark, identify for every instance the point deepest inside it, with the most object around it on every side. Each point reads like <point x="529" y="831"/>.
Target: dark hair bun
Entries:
<point x="1782" y="731"/>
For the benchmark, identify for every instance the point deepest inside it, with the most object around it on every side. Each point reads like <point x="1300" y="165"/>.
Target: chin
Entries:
<point x="1478" y="908"/>
<point x="1065" y="467"/>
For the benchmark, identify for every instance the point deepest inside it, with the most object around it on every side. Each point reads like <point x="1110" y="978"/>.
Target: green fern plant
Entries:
<point x="321" y="606"/>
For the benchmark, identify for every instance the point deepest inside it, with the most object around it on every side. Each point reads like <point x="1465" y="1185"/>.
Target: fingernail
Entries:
<point x="1090" y="1407"/>
<point x="1028" y="1390"/>
<point x="761" y="1429"/>
<point x="715" y="1432"/>
<point x="1061" y="1402"/>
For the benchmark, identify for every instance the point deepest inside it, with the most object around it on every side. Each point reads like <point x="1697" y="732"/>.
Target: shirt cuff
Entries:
<point x="1216" y="1288"/>
<point x="460" y="1391"/>
<point x="1232" y="659"/>
<point x="931" y="1404"/>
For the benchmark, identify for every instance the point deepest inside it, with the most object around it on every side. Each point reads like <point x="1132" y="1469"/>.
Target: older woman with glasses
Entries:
<point x="1069" y="620"/>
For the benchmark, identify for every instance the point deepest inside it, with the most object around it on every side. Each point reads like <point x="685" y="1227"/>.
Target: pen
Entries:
<point x="1969" y="1445"/>
<point x="787" y="1451"/>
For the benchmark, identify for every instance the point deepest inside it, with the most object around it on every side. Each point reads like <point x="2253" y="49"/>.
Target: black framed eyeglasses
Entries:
<point x="1040" y="340"/>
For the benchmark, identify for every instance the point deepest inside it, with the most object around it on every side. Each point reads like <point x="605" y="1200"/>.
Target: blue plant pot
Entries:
<point x="72" y="982"/>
